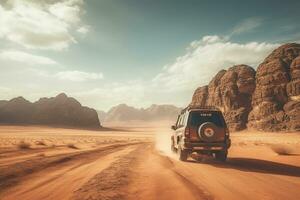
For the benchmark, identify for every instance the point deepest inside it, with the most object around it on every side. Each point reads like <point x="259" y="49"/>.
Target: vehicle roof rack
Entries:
<point x="201" y="108"/>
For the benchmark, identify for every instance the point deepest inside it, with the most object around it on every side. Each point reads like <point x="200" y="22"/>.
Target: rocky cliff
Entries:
<point x="268" y="99"/>
<point x="276" y="99"/>
<point x="58" y="111"/>
<point x="230" y="91"/>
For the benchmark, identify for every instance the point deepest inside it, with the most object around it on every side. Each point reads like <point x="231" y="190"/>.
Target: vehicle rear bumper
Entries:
<point x="207" y="146"/>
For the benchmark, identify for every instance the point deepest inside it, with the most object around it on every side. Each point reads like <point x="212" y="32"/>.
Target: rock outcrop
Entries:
<point x="231" y="92"/>
<point x="57" y="111"/>
<point x="267" y="100"/>
<point x="275" y="100"/>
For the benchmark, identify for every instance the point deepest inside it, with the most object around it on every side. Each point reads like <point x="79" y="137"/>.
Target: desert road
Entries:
<point x="138" y="164"/>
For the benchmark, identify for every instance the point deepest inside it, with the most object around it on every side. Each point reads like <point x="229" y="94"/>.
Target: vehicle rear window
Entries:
<point x="197" y="118"/>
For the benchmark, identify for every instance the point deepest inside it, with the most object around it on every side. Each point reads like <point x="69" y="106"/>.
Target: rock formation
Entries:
<point x="58" y="111"/>
<point x="275" y="100"/>
<point x="267" y="100"/>
<point x="230" y="91"/>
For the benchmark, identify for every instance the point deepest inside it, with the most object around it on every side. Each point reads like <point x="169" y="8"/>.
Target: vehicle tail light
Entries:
<point x="187" y="131"/>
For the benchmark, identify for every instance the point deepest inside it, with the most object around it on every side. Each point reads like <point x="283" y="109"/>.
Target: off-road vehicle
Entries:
<point x="202" y="130"/>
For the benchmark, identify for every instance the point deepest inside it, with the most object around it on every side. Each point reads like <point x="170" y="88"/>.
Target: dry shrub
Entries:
<point x="282" y="149"/>
<point x="24" y="145"/>
<point x="72" y="146"/>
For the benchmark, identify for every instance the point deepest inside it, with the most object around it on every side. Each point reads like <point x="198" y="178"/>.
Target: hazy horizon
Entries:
<point x="109" y="108"/>
<point x="104" y="53"/>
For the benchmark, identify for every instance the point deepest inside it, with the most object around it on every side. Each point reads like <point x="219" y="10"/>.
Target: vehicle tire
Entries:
<point x="183" y="154"/>
<point x="221" y="156"/>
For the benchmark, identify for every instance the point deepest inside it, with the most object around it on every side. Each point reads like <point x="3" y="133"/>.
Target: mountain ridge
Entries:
<point x="55" y="111"/>
<point x="155" y="112"/>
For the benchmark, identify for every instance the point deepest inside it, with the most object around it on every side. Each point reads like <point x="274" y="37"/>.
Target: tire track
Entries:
<point x="195" y="189"/>
<point x="157" y="177"/>
<point x="13" y="174"/>
<point x="111" y="183"/>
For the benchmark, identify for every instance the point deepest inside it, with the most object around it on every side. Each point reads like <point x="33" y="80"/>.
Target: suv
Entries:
<point x="202" y="130"/>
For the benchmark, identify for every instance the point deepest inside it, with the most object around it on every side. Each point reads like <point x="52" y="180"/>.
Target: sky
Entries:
<point x="138" y="52"/>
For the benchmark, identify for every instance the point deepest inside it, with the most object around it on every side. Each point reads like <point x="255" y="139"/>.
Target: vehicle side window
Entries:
<point x="186" y="118"/>
<point x="178" y="121"/>
<point x="181" y="121"/>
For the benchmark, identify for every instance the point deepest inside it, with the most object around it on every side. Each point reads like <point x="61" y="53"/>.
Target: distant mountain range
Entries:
<point x="57" y="111"/>
<point x="68" y="112"/>
<point x="123" y="113"/>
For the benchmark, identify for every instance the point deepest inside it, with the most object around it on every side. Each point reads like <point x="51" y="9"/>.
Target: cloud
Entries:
<point x="26" y="58"/>
<point x="83" y="30"/>
<point x="208" y="39"/>
<point x="68" y="11"/>
<point x="7" y="93"/>
<point x="78" y="76"/>
<point x="45" y="24"/>
<point x="205" y="57"/>
<point x="247" y="25"/>
<point x="174" y="84"/>
<point x="131" y="93"/>
<point x="177" y="81"/>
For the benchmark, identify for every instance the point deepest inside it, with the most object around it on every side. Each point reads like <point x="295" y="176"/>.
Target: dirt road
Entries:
<point x="146" y="169"/>
<point x="162" y="177"/>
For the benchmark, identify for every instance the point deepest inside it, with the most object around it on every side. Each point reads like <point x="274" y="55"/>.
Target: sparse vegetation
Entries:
<point x="282" y="149"/>
<point x="24" y="145"/>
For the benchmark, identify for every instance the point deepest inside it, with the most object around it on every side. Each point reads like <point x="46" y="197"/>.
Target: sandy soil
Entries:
<point x="136" y="163"/>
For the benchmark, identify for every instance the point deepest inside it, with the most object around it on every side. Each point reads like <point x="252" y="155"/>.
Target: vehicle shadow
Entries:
<point x="255" y="165"/>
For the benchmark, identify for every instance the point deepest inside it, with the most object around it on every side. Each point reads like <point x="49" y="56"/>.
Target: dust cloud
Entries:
<point x="163" y="144"/>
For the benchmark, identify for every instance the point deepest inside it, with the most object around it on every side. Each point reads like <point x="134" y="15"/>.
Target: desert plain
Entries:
<point x="135" y="162"/>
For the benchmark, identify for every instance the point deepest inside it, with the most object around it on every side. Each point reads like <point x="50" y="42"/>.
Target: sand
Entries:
<point x="135" y="162"/>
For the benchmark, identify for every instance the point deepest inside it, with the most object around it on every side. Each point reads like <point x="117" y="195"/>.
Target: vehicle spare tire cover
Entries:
<point x="208" y="132"/>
